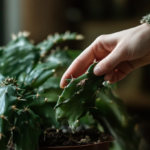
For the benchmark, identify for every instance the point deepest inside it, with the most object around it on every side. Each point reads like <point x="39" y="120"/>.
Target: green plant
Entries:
<point x="28" y="75"/>
<point x="115" y="119"/>
<point x="80" y="94"/>
<point x="90" y="93"/>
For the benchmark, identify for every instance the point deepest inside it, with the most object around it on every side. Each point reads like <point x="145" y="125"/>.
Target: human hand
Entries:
<point x="118" y="54"/>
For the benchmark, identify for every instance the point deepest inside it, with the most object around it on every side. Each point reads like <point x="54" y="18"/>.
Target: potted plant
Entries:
<point x="30" y="76"/>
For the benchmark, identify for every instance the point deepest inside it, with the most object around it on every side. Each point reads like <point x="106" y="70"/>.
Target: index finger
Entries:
<point x="96" y="50"/>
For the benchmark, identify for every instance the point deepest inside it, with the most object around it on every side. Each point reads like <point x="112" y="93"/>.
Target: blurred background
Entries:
<point x="88" y="17"/>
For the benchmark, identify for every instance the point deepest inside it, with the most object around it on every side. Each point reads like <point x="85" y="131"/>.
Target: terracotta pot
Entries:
<point x="99" y="146"/>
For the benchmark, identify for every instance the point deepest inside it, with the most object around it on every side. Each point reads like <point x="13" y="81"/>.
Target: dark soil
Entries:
<point x="53" y="138"/>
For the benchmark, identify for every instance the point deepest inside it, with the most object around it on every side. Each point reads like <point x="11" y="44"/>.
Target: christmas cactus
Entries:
<point x="30" y="76"/>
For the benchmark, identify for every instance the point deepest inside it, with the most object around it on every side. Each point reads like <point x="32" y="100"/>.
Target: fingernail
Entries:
<point x="97" y="70"/>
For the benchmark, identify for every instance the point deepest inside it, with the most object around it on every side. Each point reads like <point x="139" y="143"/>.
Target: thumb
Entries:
<point x="109" y="62"/>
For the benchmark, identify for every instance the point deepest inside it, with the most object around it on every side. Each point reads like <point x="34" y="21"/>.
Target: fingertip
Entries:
<point x="63" y="83"/>
<point x="61" y="86"/>
<point x="97" y="70"/>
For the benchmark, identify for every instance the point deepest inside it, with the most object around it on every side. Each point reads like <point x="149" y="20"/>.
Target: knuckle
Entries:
<point x="98" y="44"/>
<point x="95" y="49"/>
<point x="100" y="38"/>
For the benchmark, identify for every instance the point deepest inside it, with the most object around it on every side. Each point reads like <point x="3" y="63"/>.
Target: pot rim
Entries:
<point x="110" y="139"/>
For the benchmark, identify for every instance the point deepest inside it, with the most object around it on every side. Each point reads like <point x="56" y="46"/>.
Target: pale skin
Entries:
<point x="117" y="54"/>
